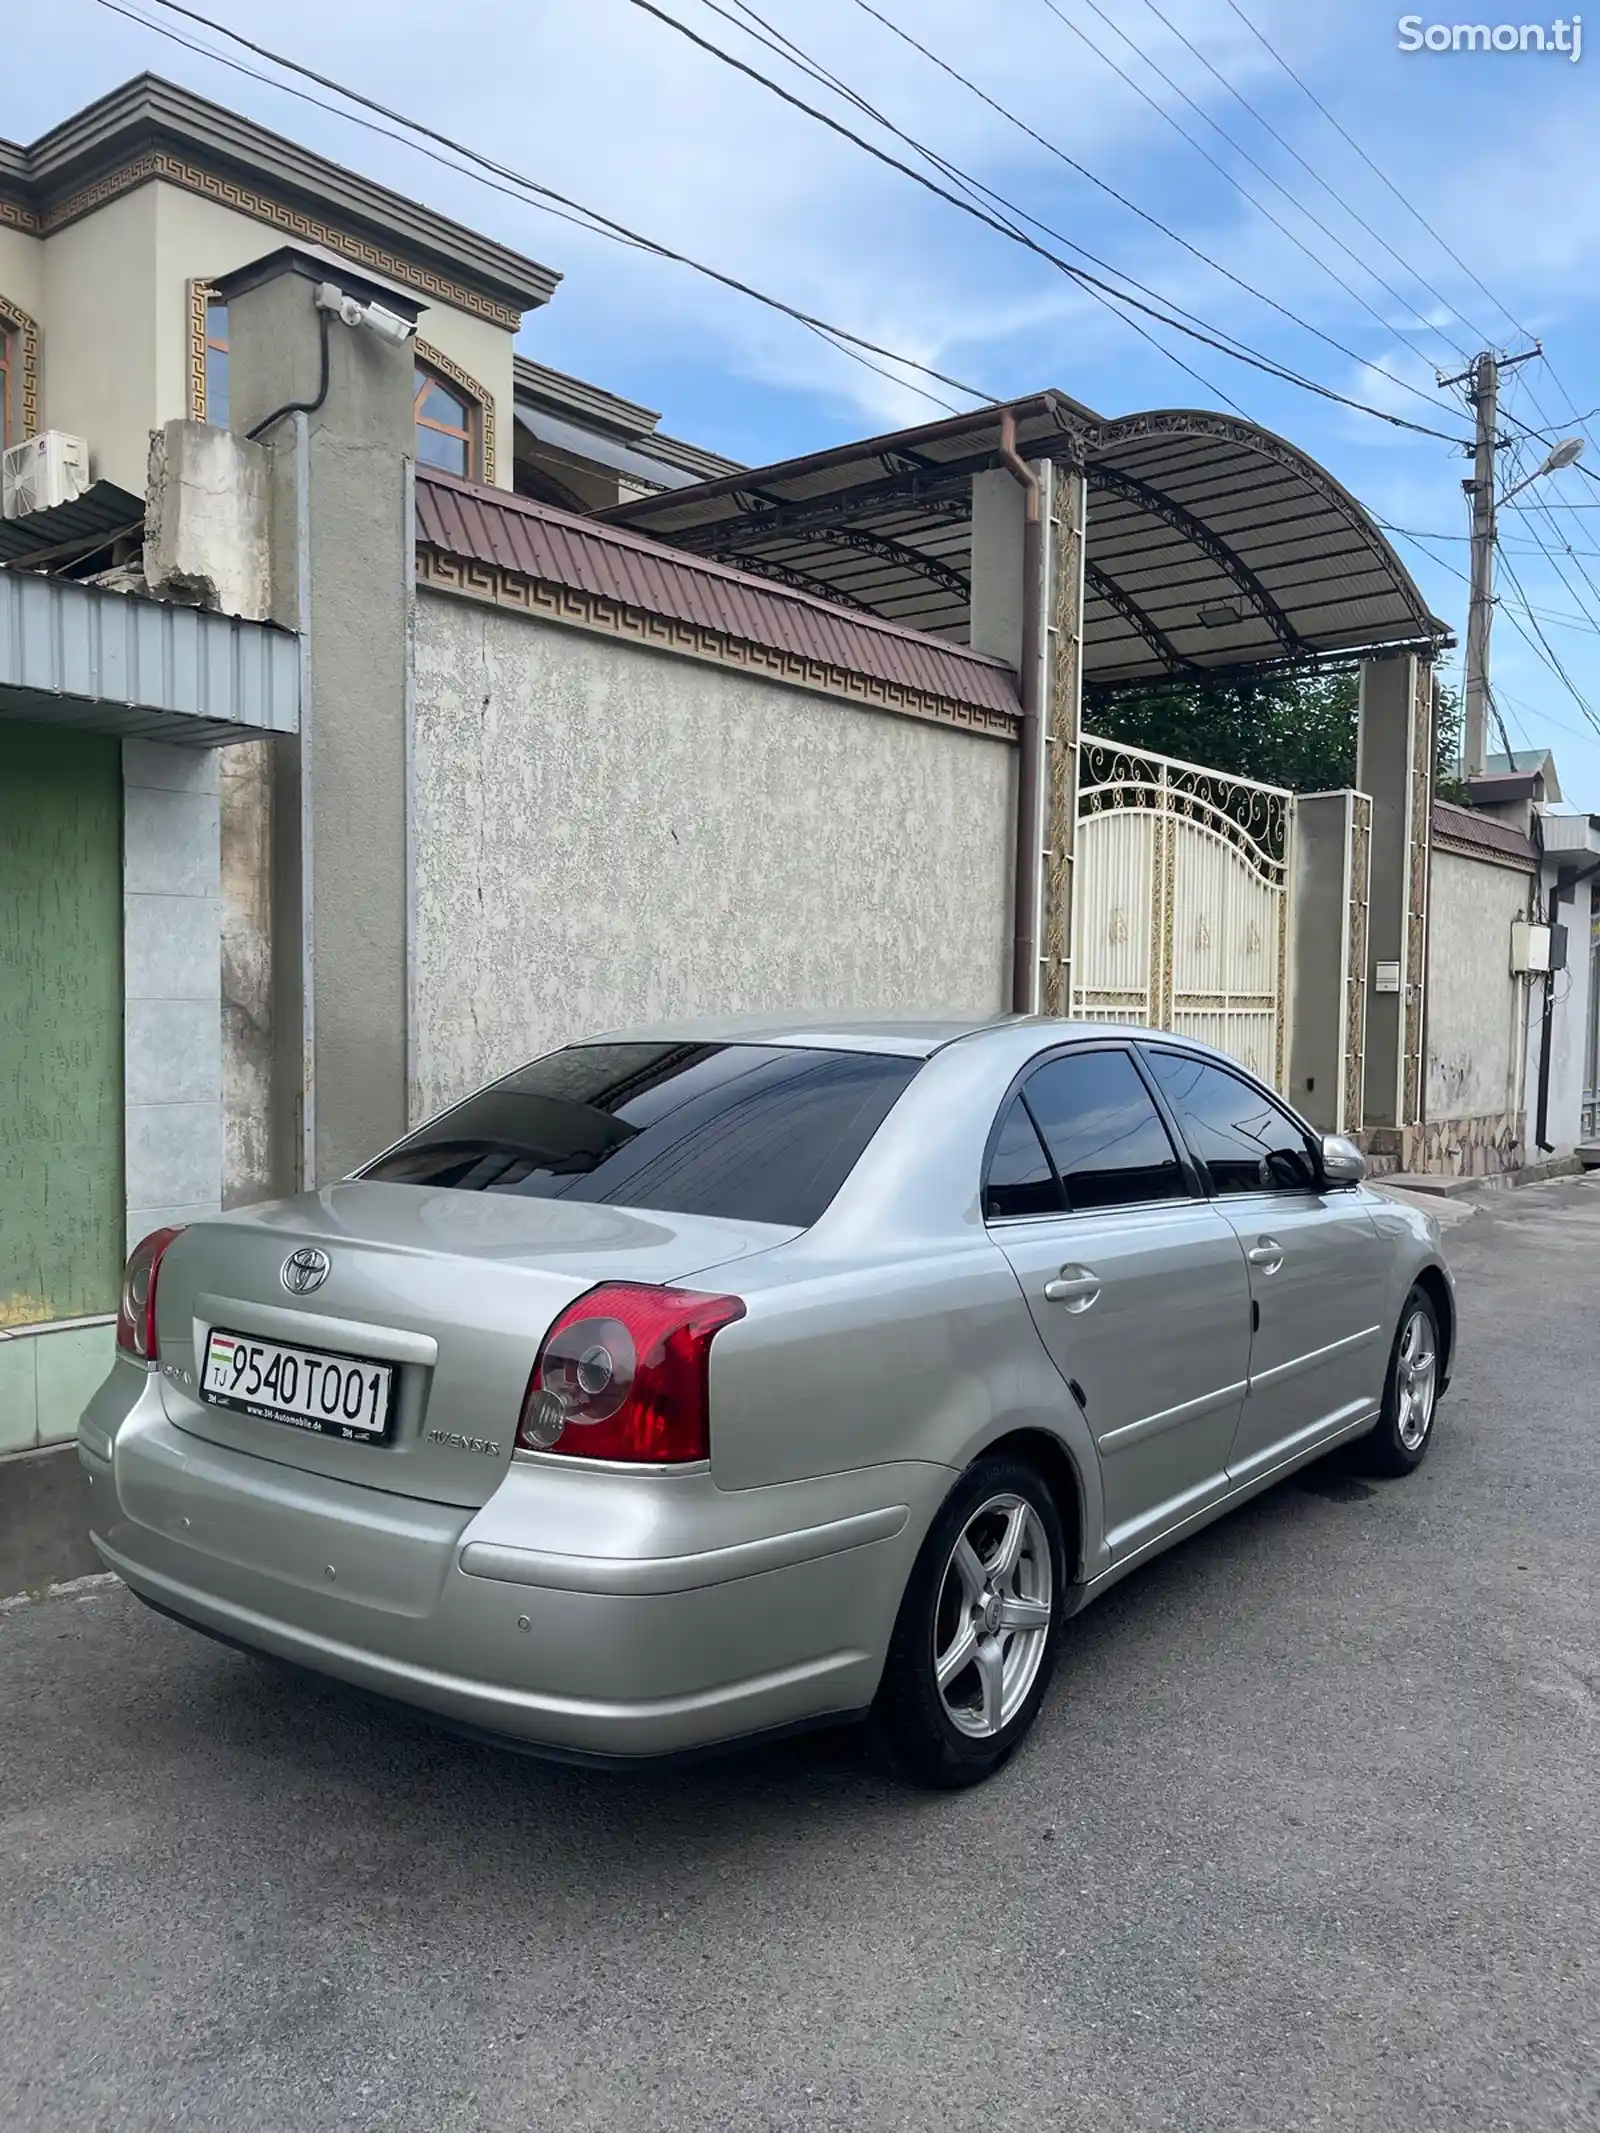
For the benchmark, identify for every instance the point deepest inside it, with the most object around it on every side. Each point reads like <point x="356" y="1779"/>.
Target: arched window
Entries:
<point x="216" y="363"/>
<point x="449" y="424"/>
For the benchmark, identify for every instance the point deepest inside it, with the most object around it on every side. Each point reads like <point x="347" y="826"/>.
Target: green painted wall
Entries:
<point x="61" y="1212"/>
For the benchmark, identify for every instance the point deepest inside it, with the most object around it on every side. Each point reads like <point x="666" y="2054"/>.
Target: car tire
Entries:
<point x="982" y="1609"/>
<point x="1399" y="1443"/>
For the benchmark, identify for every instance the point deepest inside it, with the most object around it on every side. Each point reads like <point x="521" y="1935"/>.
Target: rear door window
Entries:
<point x="1245" y="1141"/>
<point x="1102" y="1131"/>
<point x="754" y="1133"/>
<point x="1022" y="1180"/>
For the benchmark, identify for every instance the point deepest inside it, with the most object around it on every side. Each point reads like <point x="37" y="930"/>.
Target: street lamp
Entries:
<point x="1559" y="456"/>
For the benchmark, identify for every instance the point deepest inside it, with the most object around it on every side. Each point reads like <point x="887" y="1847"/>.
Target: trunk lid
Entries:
<point x="454" y="1290"/>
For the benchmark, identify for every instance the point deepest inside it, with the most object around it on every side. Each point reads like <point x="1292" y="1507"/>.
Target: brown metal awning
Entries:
<point x="1214" y="547"/>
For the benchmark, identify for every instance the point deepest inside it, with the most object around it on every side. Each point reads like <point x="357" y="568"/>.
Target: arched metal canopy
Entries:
<point x="1214" y="547"/>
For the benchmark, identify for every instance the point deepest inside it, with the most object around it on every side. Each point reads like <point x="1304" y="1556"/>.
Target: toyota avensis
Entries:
<point x="718" y="1379"/>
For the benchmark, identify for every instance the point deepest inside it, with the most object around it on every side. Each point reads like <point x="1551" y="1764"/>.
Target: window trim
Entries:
<point x="19" y="407"/>
<point x="480" y="408"/>
<point x="200" y="293"/>
<point x="1251" y="1081"/>
<point x="1196" y="1185"/>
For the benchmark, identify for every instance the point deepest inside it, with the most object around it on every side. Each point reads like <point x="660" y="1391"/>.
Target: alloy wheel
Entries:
<point x="992" y="1620"/>
<point x="1416" y="1382"/>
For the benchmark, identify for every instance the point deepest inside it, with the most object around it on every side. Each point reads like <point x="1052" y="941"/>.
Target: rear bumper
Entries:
<point x="781" y="1620"/>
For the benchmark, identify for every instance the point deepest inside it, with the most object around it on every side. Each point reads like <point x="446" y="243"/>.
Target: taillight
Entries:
<point x="622" y="1375"/>
<point x="136" y="1308"/>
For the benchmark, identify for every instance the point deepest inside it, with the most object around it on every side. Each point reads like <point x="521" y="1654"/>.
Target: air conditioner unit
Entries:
<point x="42" y="472"/>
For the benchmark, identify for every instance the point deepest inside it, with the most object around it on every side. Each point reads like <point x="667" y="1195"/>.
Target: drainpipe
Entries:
<point x="1541" y="1128"/>
<point x="1025" y="940"/>
<point x="1565" y="882"/>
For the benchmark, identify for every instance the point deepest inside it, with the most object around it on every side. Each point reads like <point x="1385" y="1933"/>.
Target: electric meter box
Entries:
<point x="1531" y="948"/>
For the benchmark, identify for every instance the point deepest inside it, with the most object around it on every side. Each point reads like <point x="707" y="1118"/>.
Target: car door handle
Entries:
<point x="1075" y="1286"/>
<point x="1266" y="1253"/>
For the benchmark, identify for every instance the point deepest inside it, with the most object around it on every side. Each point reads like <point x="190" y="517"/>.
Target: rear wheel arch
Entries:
<point x="1431" y="1280"/>
<point x="1060" y="1471"/>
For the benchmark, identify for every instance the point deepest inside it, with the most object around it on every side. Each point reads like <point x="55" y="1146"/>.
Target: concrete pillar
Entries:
<point x="1328" y="1008"/>
<point x="1394" y="765"/>
<point x="996" y="609"/>
<point x="340" y="460"/>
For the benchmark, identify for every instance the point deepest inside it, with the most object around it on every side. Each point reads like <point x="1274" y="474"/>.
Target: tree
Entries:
<point x="1295" y="730"/>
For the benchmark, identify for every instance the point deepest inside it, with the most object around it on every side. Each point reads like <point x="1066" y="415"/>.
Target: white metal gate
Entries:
<point x="1180" y="905"/>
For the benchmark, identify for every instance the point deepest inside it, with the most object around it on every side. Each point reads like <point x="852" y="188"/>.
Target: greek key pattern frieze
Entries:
<point x="614" y="618"/>
<point x="26" y="330"/>
<point x="278" y="215"/>
<point x="199" y="297"/>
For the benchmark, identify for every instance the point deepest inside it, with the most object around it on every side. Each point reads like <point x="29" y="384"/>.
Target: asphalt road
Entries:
<point x="1308" y="1837"/>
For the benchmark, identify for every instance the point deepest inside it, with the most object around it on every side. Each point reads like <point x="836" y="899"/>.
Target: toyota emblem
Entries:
<point x="305" y="1270"/>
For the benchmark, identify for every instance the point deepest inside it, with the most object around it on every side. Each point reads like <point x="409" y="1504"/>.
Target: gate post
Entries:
<point x="1328" y="1016"/>
<point x="1062" y="702"/>
<point x="1394" y="764"/>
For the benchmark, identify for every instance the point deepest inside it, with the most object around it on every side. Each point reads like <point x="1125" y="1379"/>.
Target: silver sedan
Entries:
<point x="714" y="1380"/>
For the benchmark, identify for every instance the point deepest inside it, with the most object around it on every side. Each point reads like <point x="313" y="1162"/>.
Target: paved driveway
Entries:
<point x="1306" y="1839"/>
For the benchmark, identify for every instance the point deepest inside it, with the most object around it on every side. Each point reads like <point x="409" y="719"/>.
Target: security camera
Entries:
<point x="387" y="325"/>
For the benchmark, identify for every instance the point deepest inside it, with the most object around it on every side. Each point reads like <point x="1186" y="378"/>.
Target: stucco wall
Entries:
<point x="21" y="269"/>
<point x="98" y="361"/>
<point x="605" y="834"/>
<point x="1475" y="1007"/>
<point x="112" y="298"/>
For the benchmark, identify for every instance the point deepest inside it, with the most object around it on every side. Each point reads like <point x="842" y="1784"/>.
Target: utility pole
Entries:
<point x="1485" y="395"/>
<point x="1483" y="391"/>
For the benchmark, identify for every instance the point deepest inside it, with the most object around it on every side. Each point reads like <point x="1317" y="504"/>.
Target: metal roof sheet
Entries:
<point x="1190" y="515"/>
<point x="101" y="512"/>
<point x="110" y="662"/>
<point x="538" y="541"/>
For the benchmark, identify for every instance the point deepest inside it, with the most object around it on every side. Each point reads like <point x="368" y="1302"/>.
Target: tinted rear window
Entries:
<point x="756" y="1133"/>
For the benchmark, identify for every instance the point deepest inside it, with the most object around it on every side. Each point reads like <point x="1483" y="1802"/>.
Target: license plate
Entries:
<point x="332" y="1395"/>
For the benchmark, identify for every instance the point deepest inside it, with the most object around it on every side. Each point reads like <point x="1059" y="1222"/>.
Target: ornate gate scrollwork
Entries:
<point x="1181" y="904"/>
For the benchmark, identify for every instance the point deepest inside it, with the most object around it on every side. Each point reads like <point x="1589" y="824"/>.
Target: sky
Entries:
<point x="1209" y="138"/>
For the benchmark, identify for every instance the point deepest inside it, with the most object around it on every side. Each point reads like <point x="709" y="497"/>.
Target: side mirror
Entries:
<point x="1342" y="1161"/>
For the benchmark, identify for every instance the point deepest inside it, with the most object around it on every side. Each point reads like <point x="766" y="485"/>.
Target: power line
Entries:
<point x="1385" y="180"/>
<point x="522" y="187"/>
<point x="1221" y="168"/>
<point x="1315" y="175"/>
<point x="1547" y="649"/>
<point x="1584" y="622"/>
<point x="1254" y="360"/>
<point x="796" y="55"/>
<point x="1122" y="200"/>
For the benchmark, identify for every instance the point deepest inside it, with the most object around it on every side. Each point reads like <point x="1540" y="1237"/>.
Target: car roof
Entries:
<point x="906" y="1036"/>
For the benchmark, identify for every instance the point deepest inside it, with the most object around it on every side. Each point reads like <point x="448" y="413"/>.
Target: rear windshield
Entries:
<point x="756" y="1133"/>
